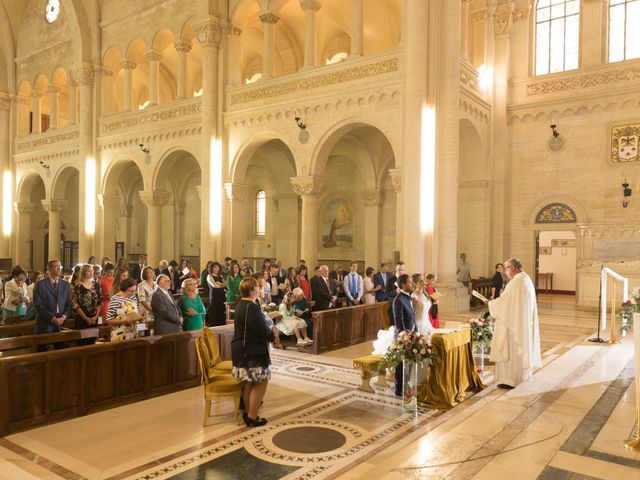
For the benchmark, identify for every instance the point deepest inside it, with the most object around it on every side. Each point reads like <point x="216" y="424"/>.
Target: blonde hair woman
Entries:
<point x="191" y="306"/>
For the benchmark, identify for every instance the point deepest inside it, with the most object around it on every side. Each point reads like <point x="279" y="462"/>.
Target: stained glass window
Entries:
<point x="624" y="32"/>
<point x="557" y="35"/>
<point x="261" y="213"/>
<point x="556" y="213"/>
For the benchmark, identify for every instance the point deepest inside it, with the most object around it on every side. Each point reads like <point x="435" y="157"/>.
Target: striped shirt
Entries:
<point x="116" y="303"/>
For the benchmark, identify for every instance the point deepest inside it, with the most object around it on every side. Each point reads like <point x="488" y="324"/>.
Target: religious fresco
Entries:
<point x="337" y="223"/>
<point x="556" y="213"/>
<point x="625" y="140"/>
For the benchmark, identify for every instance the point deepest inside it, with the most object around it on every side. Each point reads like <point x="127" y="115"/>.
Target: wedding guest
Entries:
<point x="226" y="266"/>
<point x="302" y="309"/>
<point x="106" y="282"/>
<point x="16" y="295"/>
<point x="163" y="268"/>
<point x="370" y="289"/>
<point x="353" y="285"/>
<point x="216" y="314"/>
<point x="246" y="268"/>
<point x="233" y="283"/>
<point x="266" y="265"/>
<point x="136" y="271"/>
<point x="126" y="294"/>
<point x="289" y="323"/>
<point x="381" y="279"/>
<point x="104" y="261"/>
<point x="174" y="276"/>
<point x="166" y="316"/>
<point x="421" y="305"/>
<point x="85" y="301"/>
<point x="265" y="288"/>
<point x="497" y="282"/>
<point x="119" y="277"/>
<point x="204" y="285"/>
<point x="303" y="281"/>
<point x="434" y="317"/>
<point x="122" y="263"/>
<point x="275" y="281"/>
<point x="91" y="260"/>
<point x="52" y="298"/>
<point x="338" y="277"/>
<point x="35" y="278"/>
<point x="323" y="289"/>
<point x="281" y="271"/>
<point x="146" y="289"/>
<point x="291" y="280"/>
<point x="191" y="306"/>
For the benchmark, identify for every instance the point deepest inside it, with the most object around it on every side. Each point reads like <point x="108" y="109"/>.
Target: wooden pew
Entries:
<point x="483" y="286"/>
<point x="31" y="342"/>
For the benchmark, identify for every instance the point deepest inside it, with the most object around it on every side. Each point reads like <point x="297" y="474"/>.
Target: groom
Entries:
<point x="404" y="317"/>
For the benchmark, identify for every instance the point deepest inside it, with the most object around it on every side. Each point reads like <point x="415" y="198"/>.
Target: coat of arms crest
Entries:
<point x="625" y="142"/>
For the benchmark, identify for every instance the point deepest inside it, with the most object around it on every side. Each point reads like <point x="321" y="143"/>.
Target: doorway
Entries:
<point x="556" y="259"/>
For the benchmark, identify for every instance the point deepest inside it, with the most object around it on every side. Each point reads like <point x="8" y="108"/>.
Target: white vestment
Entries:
<point x="516" y="338"/>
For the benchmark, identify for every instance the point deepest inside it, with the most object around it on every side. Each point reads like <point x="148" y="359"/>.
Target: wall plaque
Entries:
<point x="615" y="249"/>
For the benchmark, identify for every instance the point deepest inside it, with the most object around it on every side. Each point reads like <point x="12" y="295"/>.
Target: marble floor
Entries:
<point x="569" y="422"/>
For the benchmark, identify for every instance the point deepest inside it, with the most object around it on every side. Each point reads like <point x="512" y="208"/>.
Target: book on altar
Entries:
<point x="437" y="295"/>
<point x="479" y="296"/>
<point x="185" y="271"/>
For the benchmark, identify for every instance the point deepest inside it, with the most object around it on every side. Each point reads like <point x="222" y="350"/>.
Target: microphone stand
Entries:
<point x="598" y="338"/>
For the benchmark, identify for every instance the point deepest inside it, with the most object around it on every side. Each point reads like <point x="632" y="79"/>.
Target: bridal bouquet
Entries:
<point x="408" y="347"/>
<point x="482" y="329"/>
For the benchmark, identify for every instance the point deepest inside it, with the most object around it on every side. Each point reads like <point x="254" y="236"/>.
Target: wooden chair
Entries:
<point x="216" y="386"/>
<point x="210" y="342"/>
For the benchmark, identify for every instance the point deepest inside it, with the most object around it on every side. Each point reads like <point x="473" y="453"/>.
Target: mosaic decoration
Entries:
<point x="556" y="213"/>
<point x="625" y="140"/>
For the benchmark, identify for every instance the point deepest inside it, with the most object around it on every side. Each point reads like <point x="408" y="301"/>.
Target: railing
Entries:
<point x="607" y="272"/>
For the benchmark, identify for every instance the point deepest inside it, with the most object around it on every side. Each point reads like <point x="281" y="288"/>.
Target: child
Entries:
<point x="290" y="324"/>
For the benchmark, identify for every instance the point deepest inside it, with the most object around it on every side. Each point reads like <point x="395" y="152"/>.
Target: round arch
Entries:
<point x="571" y="202"/>
<point x="250" y="146"/>
<point x="61" y="181"/>
<point x="166" y="163"/>
<point x="114" y="172"/>
<point x="27" y="184"/>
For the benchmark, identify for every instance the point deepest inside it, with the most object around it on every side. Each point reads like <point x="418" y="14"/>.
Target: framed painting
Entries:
<point x="337" y="223"/>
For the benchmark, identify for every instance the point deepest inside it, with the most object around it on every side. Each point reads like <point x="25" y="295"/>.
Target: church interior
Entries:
<point x="196" y="130"/>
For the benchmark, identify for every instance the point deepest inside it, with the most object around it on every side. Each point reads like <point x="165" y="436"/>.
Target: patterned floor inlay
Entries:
<point x="309" y="440"/>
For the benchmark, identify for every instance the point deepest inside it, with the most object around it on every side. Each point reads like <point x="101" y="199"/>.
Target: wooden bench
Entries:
<point x="369" y="365"/>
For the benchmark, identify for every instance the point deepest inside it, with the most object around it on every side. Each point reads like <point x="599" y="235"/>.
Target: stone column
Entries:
<point x="36" y="125"/>
<point x="269" y="21"/>
<point x="54" y="208"/>
<point x="357" y="28"/>
<point x="5" y="164"/>
<point x="178" y="228"/>
<point x="53" y="91"/>
<point x="127" y="89"/>
<point x="464" y="30"/>
<point x="154" y="200"/>
<point x="236" y="195"/>
<point x="183" y="47"/>
<point x="72" y="92"/>
<point x="154" y="58"/>
<point x="396" y="183"/>
<point x="23" y="104"/>
<point x="108" y="208"/>
<point x="309" y="189"/>
<point x="310" y="7"/>
<point x="22" y="233"/>
<point x="371" y="200"/>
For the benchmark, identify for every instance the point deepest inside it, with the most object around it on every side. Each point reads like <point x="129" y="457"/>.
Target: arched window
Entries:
<point x="624" y="32"/>
<point x="261" y="213"/>
<point x="557" y="35"/>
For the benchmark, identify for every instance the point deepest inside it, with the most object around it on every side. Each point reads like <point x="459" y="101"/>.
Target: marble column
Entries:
<point x="357" y="28"/>
<point x="36" y="125"/>
<point x="310" y="7"/>
<point x="53" y="92"/>
<point x="269" y="21"/>
<point x="54" y="208"/>
<point x="154" y="200"/>
<point x="396" y="183"/>
<point x="108" y="208"/>
<point x="5" y="164"/>
<point x="309" y="189"/>
<point x="236" y="195"/>
<point x="371" y="200"/>
<point x="178" y="228"/>
<point x="127" y="88"/>
<point x="72" y="92"/>
<point x="22" y="232"/>
<point x="183" y="47"/>
<point x="154" y="58"/>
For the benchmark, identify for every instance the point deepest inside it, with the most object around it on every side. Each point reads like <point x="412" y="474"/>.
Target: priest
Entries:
<point x="515" y="347"/>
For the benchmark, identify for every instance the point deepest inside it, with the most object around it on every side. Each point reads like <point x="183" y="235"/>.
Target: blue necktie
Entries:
<point x="354" y="290"/>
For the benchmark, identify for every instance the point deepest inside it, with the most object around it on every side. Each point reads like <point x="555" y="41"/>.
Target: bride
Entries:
<point x="421" y="305"/>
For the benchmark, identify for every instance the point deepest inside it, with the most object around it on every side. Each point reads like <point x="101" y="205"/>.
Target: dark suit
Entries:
<point x="321" y="294"/>
<point x="338" y="278"/>
<point x="391" y="291"/>
<point x="165" y="313"/>
<point x="174" y="275"/>
<point x="51" y="302"/>
<point x="276" y="295"/>
<point x="404" y="319"/>
<point x="136" y="272"/>
<point x="378" y="279"/>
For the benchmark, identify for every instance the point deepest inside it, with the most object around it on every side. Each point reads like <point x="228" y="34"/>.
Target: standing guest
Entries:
<point x="136" y="271"/>
<point x="233" y="283"/>
<point x="174" y="276"/>
<point x="266" y="265"/>
<point x="303" y="281"/>
<point x="370" y="288"/>
<point x="85" y="302"/>
<point x="97" y="271"/>
<point x="291" y="280"/>
<point x="166" y="317"/>
<point x="497" y="282"/>
<point x="52" y="298"/>
<point x="421" y="305"/>
<point x="515" y="347"/>
<point x="192" y="271"/>
<point x="216" y="315"/>
<point x="191" y="306"/>
<point x="246" y="267"/>
<point x="265" y="289"/>
<point x="104" y="261"/>
<point x="250" y="351"/>
<point x="392" y="288"/>
<point x="16" y="294"/>
<point x="338" y="276"/>
<point x="404" y="317"/>
<point x="204" y="285"/>
<point x="323" y="289"/>
<point x="91" y="260"/>
<point x="120" y="276"/>
<point x="184" y="272"/>
<point x="122" y="263"/>
<point x="226" y="266"/>
<point x="122" y="306"/>
<point x="35" y="277"/>
<point x="302" y="309"/>
<point x="146" y="289"/>
<point x="275" y="280"/>
<point x="106" y="282"/>
<point x="381" y="279"/>
<point x="281" y="271"/>
<point x="464" y="272"/>
<point x="163" y="267"/>
<point x="75" y="274"/>
<point x="353" y="285"/>
<point x="434" y="316"/>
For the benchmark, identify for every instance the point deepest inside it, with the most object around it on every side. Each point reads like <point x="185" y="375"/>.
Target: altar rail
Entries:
<point x="46" y="387"/>
<point x="343" y="327"/>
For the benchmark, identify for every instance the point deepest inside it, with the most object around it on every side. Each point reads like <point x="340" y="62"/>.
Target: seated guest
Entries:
<point x="250" y="351"/>
<point x="275" y="281"/>
<point x="125" y="299"/>
<point x="191" y="306"/>
<point x="233" y="283"/>
<point x="290" y="324"/>
<point x="323" y="290"/>
<point x="146" y="289"/>
<point x="106" y="282"/>
<point x="85" y="302"/>
<point x="353" y="286"/>
<point x="216" y="315"/>
<point x="302" y="309"/>
<point x="370" y="288"/>
<point x="381" y="280"/>
<point x="16" y="295"/>
<point x="166" y="316"/>
<point x="52" y="297"/>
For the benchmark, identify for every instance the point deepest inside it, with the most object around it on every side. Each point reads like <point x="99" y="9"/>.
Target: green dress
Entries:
<point x="195" y="322"/>
<point x="233" y="288"/>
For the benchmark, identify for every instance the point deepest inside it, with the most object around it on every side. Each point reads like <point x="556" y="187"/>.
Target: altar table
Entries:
<point x="452" y="374"/>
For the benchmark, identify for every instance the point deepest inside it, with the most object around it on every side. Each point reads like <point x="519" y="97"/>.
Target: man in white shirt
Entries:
<point x="353" y="286"/>
<point x="464" y="272"/>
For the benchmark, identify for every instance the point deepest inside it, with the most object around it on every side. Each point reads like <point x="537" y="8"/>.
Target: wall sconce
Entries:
<point x="147" y="153"/>
<point x="626" y="193"/>
<point x="556" y="133"/>
<point x="301" y="125"/>
<point x="303" y="136"/>
<point x="44" y="164"/>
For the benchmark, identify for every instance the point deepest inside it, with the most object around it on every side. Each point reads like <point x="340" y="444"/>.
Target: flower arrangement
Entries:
<point x="269" y="307"/>
<point x="408" y="347"/>
<point x="628" y="308"/>
<point x="482" y="329"/>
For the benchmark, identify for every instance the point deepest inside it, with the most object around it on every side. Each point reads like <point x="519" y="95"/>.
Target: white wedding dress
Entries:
<point x="422" y="306"/>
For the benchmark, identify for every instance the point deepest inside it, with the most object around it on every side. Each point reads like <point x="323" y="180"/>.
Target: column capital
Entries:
<point x="54" y="205"/>
<point x="23" y="208"/>
<point x="182" y="46"/>
<point x="396" y="179"/>
<point x="108" y="201"/>
<point x="154" y="198"/>
<point x="371" y="197"/>
<point x="52" y="88"/>
<point x="478" y="16"/>
<point x="309" y="185"/>
<point x="235" y="191"/>
<point x="83" y="75"/>
<point x="5" y="101"/>
<point x="269" y="18"/>
<point x="310" y="5"/>
<point x="128" y="64"/>
<point x="36" y="95"/>
<point x="209" y="30"/>
<point x="153" y="55"/>
<point x="503" y="19"/>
